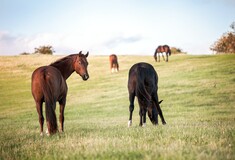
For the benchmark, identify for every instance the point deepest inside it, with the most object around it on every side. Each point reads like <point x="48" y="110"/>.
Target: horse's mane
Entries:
<point x="63" y="60"/>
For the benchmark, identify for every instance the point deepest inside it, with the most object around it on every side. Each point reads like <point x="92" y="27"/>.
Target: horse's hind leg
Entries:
<point x="131" y="107"/>
<point x="167" y="54"/>
<point x="141" y="117"/>
<point x="62" y="106"/>
<point x="117" y="67"/>
<point x="40" y="116"/>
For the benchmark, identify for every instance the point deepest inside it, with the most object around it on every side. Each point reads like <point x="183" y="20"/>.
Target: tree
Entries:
<point x="226" y="43"/>
<point x="44" y="50"/>
<point x="233" y="26"/>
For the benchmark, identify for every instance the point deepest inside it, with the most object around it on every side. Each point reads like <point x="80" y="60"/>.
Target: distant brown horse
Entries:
<point x="162" y="49"/>
<point x="49" y="85"/>
<point x="113" y="60"/>
<point x="143" y="83"/>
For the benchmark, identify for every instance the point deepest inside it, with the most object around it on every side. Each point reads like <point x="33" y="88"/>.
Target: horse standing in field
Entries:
<point x="143" y="83"/>
<point x="160" y="50"/>
<point x="113" y="60"/>
<point x="49" y="85"/>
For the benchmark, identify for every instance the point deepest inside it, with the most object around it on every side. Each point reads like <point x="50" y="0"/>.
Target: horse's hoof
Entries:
<point x="129" y="123"/>
<point x="47" y="132"/>
<point x="41" y="134"/>
<point x="61" y="131"/>
<point x="144" y="125"/>
<point x="164" y="123"/>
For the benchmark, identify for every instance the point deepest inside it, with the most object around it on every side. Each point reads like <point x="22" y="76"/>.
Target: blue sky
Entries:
<point x="113" y="26"/>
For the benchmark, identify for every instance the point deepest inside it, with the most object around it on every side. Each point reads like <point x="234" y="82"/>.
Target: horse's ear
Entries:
<point x="80" y="53"/>
<point x="87" y="54"/>
<point x="160" y="102"/>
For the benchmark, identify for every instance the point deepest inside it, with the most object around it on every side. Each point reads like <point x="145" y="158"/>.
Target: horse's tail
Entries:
<point x="117" y="66"/>
<point x="155" y="55"/>
<point x="141" y="92"/>
<point x="50" y="106"/>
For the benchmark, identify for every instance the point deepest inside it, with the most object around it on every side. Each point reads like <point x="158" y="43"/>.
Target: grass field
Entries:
<point x="199" y="108"/>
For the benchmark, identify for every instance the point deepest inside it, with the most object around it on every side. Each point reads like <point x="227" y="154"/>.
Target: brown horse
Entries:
<point x="49" y="85"/>
<point x="113" y="60"/>
<point x="143" y="83"/>
<point x="162" y="49"/>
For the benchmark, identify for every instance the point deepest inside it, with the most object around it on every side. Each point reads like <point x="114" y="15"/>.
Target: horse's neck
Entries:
<point x="66" y="68"/>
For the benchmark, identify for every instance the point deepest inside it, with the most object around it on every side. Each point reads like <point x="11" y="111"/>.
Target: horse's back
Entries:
<point x="47" y="77"/>
<point x="164" y="48"/>
<point x="113" y="58"/>
<point x="143" y="68"/>
<point x="142" y="72"/>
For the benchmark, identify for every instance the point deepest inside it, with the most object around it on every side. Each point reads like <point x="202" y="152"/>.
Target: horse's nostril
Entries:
<point x="85" y="77"/>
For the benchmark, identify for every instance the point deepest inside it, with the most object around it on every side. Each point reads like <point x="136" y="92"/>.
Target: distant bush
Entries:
<point x="44" y="50"/>
<point x="175" y="50"/>
<point x="25" y="53"/>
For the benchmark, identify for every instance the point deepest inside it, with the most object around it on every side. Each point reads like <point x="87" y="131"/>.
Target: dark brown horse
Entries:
<point x="113" y="60"/>
<point x="143" y="83"/>
<point x="160" y="50"/>
<point x="49" y="85"/>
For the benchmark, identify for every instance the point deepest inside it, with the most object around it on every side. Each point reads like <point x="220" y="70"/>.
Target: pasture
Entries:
<point x="198" y="95"/>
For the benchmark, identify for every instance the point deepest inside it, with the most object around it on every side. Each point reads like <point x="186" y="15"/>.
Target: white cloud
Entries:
<point x="67" y="43"/>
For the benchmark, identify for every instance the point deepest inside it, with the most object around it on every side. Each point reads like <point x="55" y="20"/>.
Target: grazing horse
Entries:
<point x="49" y="85"/>
<point x="113" y="60"/>
<point x="143" y="83"/>
<point x="162" y="49"/>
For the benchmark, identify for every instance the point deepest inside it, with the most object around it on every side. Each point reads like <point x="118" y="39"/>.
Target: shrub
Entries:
<point x="44" y="50"/>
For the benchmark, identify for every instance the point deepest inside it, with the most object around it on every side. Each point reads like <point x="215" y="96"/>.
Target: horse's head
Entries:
<point x="80" y="65"/>
<point x="153" y="113"/>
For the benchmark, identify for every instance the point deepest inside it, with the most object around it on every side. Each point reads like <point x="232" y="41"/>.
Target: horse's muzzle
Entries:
<point x="85" y="77"/>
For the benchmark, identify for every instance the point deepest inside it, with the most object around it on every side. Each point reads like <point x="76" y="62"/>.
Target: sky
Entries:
<point x="122" y="27"/>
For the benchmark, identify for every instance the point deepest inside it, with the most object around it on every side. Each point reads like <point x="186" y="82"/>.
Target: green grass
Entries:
<point x="199" y="108"/>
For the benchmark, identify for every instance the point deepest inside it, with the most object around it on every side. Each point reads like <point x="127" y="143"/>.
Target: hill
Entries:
<point x="198" y="94"/>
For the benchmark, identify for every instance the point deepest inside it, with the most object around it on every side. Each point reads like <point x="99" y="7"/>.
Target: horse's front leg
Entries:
<point x="159" y="57"/>
<point x="62" y="107"/>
